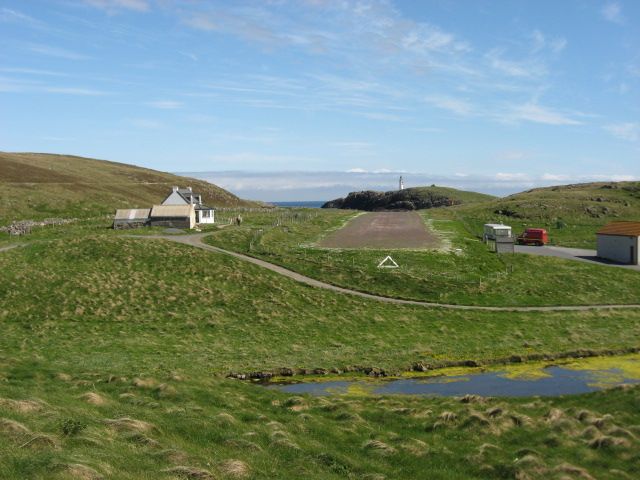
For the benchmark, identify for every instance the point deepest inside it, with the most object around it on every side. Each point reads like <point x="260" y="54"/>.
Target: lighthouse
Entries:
<point x="400" y="184"/>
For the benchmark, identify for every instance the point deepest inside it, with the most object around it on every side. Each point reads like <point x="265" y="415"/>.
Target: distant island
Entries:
<point x="416" y="198"/>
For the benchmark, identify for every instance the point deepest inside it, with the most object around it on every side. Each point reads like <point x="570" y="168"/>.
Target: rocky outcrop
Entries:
<point x="409" y="199"/>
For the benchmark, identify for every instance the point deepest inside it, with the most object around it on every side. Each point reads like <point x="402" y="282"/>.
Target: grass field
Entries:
<point x="113" y="352"/>
<point x="467" y="273"/>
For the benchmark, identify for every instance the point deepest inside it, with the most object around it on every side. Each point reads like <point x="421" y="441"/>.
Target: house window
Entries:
<point x="206" y="213"/>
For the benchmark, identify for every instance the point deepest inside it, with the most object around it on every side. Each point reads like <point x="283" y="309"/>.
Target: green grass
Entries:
<point x="149" y="328"/>
<point x="468" y="273"/>
<point x="149" y="298"/>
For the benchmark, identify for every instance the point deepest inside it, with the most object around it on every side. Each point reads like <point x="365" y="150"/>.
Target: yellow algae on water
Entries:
<point x="359" y="389"/>
<point x="526" y="371"/>
<point x="606" y="372"/>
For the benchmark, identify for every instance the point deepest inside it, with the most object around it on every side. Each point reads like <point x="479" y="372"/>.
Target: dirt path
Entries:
<point x="196" y="241"/>
<point x="383" y="230"/>
<point x="8" y="247"/>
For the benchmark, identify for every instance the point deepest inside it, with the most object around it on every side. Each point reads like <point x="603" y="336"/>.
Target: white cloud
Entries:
<point x="451" y="104"/>
<point x="624" y="131"/>
<point x="115" y="5"/>
<point x="57" y="52"/>
<point x="145" y="123"/>
<point x="84" y="92"/>
<point x="165" y="104"/>
<point x="532" y="112"/>
<point x="528" y="68"/>
<point x="612" y="12"/>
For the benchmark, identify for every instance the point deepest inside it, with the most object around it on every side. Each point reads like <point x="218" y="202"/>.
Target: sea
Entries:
<point x="307" y="204"/>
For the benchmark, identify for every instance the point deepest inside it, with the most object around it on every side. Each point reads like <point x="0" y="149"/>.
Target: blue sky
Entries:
<point x="514" y="92"/>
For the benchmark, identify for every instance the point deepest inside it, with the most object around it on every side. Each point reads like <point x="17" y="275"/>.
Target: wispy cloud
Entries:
<point x="165" y="104"/>
<point x="451" y="104"/>
<point x="612" y="12"/>
<point x="115" y="5"/>
<point x="527" y="68"/>
<point x="33" y="71"/>
<point x="624" y="131"/>
<point x="145" y="123"/>
<point x="8" y="15"/>
<point x="533" y="112"/>
<point x="58" y="52"/>
<point x="84" y="92"/>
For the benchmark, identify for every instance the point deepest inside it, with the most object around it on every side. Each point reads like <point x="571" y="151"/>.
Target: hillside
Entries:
<point x="572" y="213"/>
<point x="38" y="185"/>
<point x="417" y="198"/>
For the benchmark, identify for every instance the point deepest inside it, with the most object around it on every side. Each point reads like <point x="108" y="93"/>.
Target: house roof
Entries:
<point x="203" y="207"/>
<point x="621" y="228"/>
<point x="171" y="211"/>
<point x="132" y="214"/>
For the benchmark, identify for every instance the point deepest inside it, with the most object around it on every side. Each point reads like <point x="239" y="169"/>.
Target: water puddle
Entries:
<point x="574" y="377"/>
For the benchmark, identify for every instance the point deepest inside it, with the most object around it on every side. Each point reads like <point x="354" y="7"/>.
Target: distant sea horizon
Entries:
<point x="300" y="204"/>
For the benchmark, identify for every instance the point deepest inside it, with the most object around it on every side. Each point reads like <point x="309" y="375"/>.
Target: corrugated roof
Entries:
<point x="621" y="228"/>
<point x="171" y="211"/>
<point x="132" y="214"/>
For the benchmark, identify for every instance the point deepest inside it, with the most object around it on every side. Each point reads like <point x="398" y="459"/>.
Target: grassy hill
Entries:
<point x="416" y="198"/>
<point x="571" y="213"/>
<point x="38" y="185"/>
<point x="114" y="350"/>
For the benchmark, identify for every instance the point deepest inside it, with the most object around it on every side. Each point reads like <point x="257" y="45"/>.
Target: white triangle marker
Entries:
<point x="388" y="262"/>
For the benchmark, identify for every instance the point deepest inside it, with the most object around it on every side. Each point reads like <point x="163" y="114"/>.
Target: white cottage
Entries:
<point x="619" y="242"/>
<point x="186" y="196"/>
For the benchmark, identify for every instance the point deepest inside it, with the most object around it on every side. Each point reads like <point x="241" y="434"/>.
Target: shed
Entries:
<point x="493" y="231"/>
<point x="131" y="218"/>
<point x="619" y="242"/>
<point x="177" y="216"/>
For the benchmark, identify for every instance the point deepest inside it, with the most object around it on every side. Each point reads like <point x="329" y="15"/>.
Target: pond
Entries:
<point x="580" y="376"/>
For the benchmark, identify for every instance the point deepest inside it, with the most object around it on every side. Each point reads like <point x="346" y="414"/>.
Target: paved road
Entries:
<point x="196" y="241"/>
<point x="578" y="254"/>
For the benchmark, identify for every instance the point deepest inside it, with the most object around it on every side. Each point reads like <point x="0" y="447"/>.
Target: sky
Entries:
<point x="309" y="99"/>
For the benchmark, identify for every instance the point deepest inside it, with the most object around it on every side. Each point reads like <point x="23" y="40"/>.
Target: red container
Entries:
<point x="533" y="236"/>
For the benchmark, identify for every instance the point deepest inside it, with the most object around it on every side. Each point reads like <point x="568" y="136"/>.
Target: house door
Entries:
<point x="632" y="257"/>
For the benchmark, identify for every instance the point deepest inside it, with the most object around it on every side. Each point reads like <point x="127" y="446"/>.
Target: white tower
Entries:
<point x="400" y="184"/>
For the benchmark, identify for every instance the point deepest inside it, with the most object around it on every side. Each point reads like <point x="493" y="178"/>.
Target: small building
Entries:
<point x="186" y="196"/>
<point x="176" y="216"/>
<point x="495" y="231"/>
<point x="131" y="218"/>
<point x="619" y="242"/>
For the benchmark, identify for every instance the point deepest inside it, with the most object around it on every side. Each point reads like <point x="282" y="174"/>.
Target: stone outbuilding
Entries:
<point x="131" y="218"/>
<point x="619" y="242"/>
<point x="176" y="216"/>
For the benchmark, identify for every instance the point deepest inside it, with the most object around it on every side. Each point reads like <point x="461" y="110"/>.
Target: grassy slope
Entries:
<point x="466" y="197"/>
<point x="36" y="186"/>
<point x="472" y="276"/>
<point x="571" y="213"/>
<point x="142" y="326"/>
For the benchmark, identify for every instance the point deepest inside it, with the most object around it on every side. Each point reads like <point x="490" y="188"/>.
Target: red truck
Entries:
<point x="533" y="236"/>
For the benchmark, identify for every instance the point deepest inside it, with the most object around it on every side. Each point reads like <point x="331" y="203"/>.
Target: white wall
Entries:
<point x="618" y="248"/>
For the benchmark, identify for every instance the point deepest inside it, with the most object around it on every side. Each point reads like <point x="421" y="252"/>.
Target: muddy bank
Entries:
<point x="376" y="372"/>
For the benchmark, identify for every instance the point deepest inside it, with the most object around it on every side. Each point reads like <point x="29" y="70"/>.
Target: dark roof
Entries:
<point x="624" y="229"/>
<point x="203" y="207"/>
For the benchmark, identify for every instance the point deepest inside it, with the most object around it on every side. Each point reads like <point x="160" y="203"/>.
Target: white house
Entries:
<point x="619" y="241"/>
<point x="186" y="196"/>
